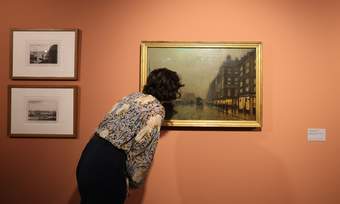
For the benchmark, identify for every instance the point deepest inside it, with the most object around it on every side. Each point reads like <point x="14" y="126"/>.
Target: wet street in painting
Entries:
<point x="193" y="112"/>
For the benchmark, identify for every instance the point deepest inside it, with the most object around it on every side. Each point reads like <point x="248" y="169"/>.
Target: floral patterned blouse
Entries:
<point x="133" y="125"/>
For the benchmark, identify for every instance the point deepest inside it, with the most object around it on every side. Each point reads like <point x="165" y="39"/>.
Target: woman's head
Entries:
<point x="163" y="84"/>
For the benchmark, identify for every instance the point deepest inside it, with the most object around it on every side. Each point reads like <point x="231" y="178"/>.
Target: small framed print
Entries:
<point x="44" y="54"/>
<point x="42" y="111"/>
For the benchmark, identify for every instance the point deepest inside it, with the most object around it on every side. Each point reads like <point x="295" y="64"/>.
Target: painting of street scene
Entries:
<point x="43" y="53"/>
<point x="220" y="82"/>
<point x="42" y="110"/>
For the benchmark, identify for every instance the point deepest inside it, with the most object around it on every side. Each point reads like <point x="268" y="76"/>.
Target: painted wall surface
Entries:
<point x="301" y="47"/>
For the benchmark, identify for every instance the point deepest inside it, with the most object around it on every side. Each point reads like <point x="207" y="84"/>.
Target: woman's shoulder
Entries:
<point x="145" y="101"/>
<point x="138" y="98"/>
<point x="150" y="103"/>
<point x="132" y="96"/>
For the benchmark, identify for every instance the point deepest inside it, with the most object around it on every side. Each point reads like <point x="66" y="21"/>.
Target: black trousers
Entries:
<point x="101" y="173"/>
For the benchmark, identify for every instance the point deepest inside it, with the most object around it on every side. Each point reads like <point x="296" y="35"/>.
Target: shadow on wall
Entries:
<point x="135" y="197"/>
<point x="75" y="198"/>
<point x="229" y="170"/>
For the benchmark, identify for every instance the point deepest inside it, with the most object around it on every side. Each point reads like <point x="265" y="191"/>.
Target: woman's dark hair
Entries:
<point x="164" y="85"/>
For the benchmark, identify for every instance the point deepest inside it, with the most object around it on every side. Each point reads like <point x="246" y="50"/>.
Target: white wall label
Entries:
<point x="316" y="134"/>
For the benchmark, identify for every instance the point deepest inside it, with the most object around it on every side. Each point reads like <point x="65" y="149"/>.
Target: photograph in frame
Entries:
<point x="42" y="111"/>
<point x="222" y="81"/>
<point x="44" y="54"/>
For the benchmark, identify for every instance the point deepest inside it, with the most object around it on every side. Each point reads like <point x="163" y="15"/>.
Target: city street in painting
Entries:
<point x="221" y="81"/>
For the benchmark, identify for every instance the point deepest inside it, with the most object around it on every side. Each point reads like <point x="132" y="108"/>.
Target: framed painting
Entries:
<point x="42" y="111"/>
<point x="223" y="81"/>
<point x="44" y="54"/>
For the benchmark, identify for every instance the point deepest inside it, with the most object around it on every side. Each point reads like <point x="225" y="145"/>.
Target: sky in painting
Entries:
<point x="197" y="67"/>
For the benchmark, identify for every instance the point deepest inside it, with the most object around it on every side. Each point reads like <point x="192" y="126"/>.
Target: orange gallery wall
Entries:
<point x="301" y="69"/>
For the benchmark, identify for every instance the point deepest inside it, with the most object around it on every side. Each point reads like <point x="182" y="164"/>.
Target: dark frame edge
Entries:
<point x="75" y="77"/>
<point x="47" y="136"/>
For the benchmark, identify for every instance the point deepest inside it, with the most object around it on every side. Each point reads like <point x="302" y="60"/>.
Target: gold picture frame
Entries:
<point x="223" y="81"/>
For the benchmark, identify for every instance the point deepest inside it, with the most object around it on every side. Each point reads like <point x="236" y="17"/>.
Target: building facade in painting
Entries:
<point x="233" y="90"/>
